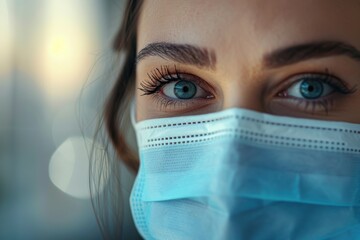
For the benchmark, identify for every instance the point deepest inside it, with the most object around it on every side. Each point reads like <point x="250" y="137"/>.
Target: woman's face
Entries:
<point x="293" y="58"/>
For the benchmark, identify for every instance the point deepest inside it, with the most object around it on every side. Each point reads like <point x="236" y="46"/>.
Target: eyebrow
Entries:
<point x="302" y="52"/>
<point x="182" y="53"/>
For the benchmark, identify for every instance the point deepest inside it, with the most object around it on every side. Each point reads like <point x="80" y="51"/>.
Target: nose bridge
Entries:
<point x="245" y="92"/>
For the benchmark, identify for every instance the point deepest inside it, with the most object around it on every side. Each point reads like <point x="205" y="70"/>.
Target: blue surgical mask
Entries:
<point x="240" y="174"/>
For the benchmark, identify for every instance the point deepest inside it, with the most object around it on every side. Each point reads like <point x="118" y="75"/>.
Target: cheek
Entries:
<point x="339" y="110"/>
<point x="347" y="110"/>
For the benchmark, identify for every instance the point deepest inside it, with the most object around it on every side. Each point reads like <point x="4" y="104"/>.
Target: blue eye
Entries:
<point x="310" y="89"/>
<point x="184" y="89"/>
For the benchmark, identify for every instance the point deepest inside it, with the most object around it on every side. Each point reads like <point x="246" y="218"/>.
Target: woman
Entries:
<point x="246" y="115"/>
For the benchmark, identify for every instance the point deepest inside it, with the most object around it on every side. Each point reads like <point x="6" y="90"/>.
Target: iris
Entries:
<point x="311" y="89"/>
<point x="184" y="89"/>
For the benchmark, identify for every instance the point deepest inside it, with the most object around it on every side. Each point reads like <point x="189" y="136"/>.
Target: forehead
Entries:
<point x="234" y="27"/>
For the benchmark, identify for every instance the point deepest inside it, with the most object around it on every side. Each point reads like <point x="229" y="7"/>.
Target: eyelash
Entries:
<point x="158" y="78"/>
<point x="325" y="77"/>
<point x="324" y="102"/>
<point x="162" y="76"/>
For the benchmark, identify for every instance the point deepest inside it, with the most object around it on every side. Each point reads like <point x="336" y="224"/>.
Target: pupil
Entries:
<point x="311" y="89"/>
<point x="184" y="89"/>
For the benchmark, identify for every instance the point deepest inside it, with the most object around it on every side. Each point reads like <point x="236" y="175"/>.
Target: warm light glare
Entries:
<point x="59" y="48"/>
<point x="67" y="54"/>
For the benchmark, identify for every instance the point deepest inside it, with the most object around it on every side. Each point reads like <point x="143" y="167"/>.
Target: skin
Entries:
<point x="240" y="33"/>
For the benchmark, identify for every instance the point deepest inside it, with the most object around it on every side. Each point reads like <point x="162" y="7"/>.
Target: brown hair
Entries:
<point x="119" y="97"/>
<point x="108" y="203"/>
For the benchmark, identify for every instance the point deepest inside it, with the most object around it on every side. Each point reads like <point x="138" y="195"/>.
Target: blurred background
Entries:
<point x="56" y="67"/>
